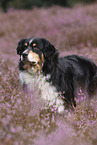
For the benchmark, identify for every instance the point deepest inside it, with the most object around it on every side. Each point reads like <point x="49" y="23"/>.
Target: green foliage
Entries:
<point x="28" y="4"/>
<point x="25" y="4"/>
<point x="73" y="2"/>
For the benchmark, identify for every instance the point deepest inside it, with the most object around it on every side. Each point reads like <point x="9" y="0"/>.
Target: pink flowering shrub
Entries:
<point x="24" y="120"/>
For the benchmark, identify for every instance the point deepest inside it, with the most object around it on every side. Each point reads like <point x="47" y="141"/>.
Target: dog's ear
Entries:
<point x="20" y="46"/>
<point x="49" y="51"/>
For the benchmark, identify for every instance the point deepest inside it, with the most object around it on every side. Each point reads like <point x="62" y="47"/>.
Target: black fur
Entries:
<point x="67" y="73"/>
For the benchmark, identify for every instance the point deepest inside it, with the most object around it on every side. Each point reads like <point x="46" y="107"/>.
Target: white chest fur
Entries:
<point x="48" y="92"/>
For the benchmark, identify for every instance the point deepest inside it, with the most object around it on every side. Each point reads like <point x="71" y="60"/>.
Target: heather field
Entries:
<point x="24" y="120"/>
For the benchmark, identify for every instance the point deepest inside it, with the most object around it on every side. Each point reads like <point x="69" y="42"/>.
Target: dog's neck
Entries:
<point x="49" y="68"/>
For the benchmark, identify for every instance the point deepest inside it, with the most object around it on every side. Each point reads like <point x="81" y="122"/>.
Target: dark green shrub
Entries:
<point x="28" y="4"/>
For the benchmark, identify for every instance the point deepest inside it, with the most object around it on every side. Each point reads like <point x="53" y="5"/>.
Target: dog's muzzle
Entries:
<point x="31" y="56"/>
<point x="32" y="60"/>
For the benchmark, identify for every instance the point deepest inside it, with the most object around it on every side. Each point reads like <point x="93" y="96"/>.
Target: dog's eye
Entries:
<point x="35" y="48"/>
<point x="25" y="47"/>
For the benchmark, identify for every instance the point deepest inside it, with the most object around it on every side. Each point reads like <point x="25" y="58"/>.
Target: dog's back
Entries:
<point x="83" y="70"/>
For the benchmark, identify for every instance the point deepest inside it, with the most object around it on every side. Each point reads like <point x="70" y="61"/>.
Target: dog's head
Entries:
<point x="35" y="51"/>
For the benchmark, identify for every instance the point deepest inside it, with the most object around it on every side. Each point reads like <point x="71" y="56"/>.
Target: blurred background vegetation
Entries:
<point x="28" y="4"/>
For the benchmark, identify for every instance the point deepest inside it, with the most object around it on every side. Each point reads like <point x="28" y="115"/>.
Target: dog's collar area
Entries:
<point x="34" y="73"/>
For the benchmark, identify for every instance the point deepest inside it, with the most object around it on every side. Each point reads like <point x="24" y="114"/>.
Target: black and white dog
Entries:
<point x="57" y="78"/>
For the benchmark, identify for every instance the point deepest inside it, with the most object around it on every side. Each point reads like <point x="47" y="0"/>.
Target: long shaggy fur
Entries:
<point x="66" y="74"/>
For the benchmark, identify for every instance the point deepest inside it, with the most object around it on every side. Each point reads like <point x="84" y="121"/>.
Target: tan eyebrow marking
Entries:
<point x="34" y="44"/>
<point x="25" y="44"/>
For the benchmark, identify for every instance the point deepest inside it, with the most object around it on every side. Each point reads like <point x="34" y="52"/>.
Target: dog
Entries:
<point x="58" y="78"/>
